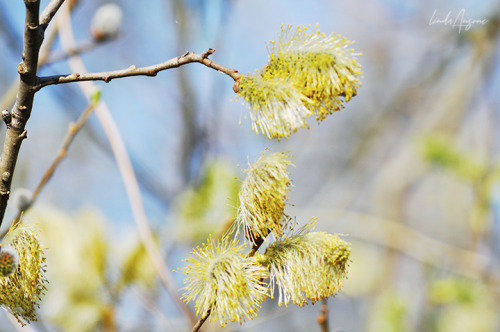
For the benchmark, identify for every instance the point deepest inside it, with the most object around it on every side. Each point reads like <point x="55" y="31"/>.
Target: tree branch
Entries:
<point x="189" y="57"/>
<point x="323" y="316"/>
<point x="49" y="12"/>
<point x="21" y="112"/>
<point x="202" y="320"/>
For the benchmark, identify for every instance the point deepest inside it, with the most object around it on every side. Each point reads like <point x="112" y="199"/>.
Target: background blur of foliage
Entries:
<point x="410" y="169"/>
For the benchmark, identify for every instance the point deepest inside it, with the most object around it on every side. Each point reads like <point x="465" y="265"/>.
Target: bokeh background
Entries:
<point x="409" y="171"/>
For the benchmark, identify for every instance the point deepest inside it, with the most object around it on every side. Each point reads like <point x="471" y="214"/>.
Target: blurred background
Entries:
<point x="409" y="171"/>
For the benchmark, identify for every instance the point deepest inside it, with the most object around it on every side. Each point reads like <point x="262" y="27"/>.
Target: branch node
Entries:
<point x="236" y="86"/>
<point x="5" y="176"/>
<point x="22" y="68"/>
<point x="32" y="26"/>
<point x="7" y="117"/>
<point x="23" y="135"/>
<point x="185" y="54"/>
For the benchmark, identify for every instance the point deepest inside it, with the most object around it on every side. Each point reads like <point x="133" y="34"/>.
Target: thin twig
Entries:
<point x="73" y="129"/>
<point x="323" y="316"/>
<point x="49" y="12"/>
<point x="200" y="322"/>
<point x="153" y="70"/>
<point x="125" y="168"/>
<point x="82" y="47"/>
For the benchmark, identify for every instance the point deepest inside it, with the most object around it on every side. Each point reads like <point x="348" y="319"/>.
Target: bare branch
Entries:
<point x="20" y="114"/>
<point x="49" y="12"/>
<point x="189" y="57"/>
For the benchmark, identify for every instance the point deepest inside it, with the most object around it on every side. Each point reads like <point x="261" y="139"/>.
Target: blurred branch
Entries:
<point x="153" y="308"/>
<point x="191" y="131"/>
<point x="136" y="204"/>
<point x="73" y="129"/>
<point x="125" y="168"/>
<point x="323" y="316"/>
<point x="83" y="47"/>
<point x="188" y="57"/>
<point x="395" y="235"/>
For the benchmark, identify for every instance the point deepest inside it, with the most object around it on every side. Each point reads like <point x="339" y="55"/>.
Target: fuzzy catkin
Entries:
<point x="308" y="73"/>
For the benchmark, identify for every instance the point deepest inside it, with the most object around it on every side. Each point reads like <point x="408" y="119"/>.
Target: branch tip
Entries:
<point x="209" y="52"/>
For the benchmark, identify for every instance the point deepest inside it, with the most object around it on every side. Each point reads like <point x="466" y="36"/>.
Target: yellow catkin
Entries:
<point x="21" y="291"/>
<point x="308" y="266"/>
<point x="224" y="281"/>
<point x="262" y="197"/>
<point x="308" y="73"/>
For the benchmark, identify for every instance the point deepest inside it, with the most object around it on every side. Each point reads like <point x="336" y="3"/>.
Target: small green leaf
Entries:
<point x="96" y="96"/>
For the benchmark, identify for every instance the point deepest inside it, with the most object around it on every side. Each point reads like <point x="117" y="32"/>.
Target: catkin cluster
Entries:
<point x="308" y="73"/>
<point x="304" y="266"/>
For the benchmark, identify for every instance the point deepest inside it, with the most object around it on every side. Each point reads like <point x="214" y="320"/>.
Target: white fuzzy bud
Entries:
<point x="21" y="198"/>
<point x="106" y="22"/>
